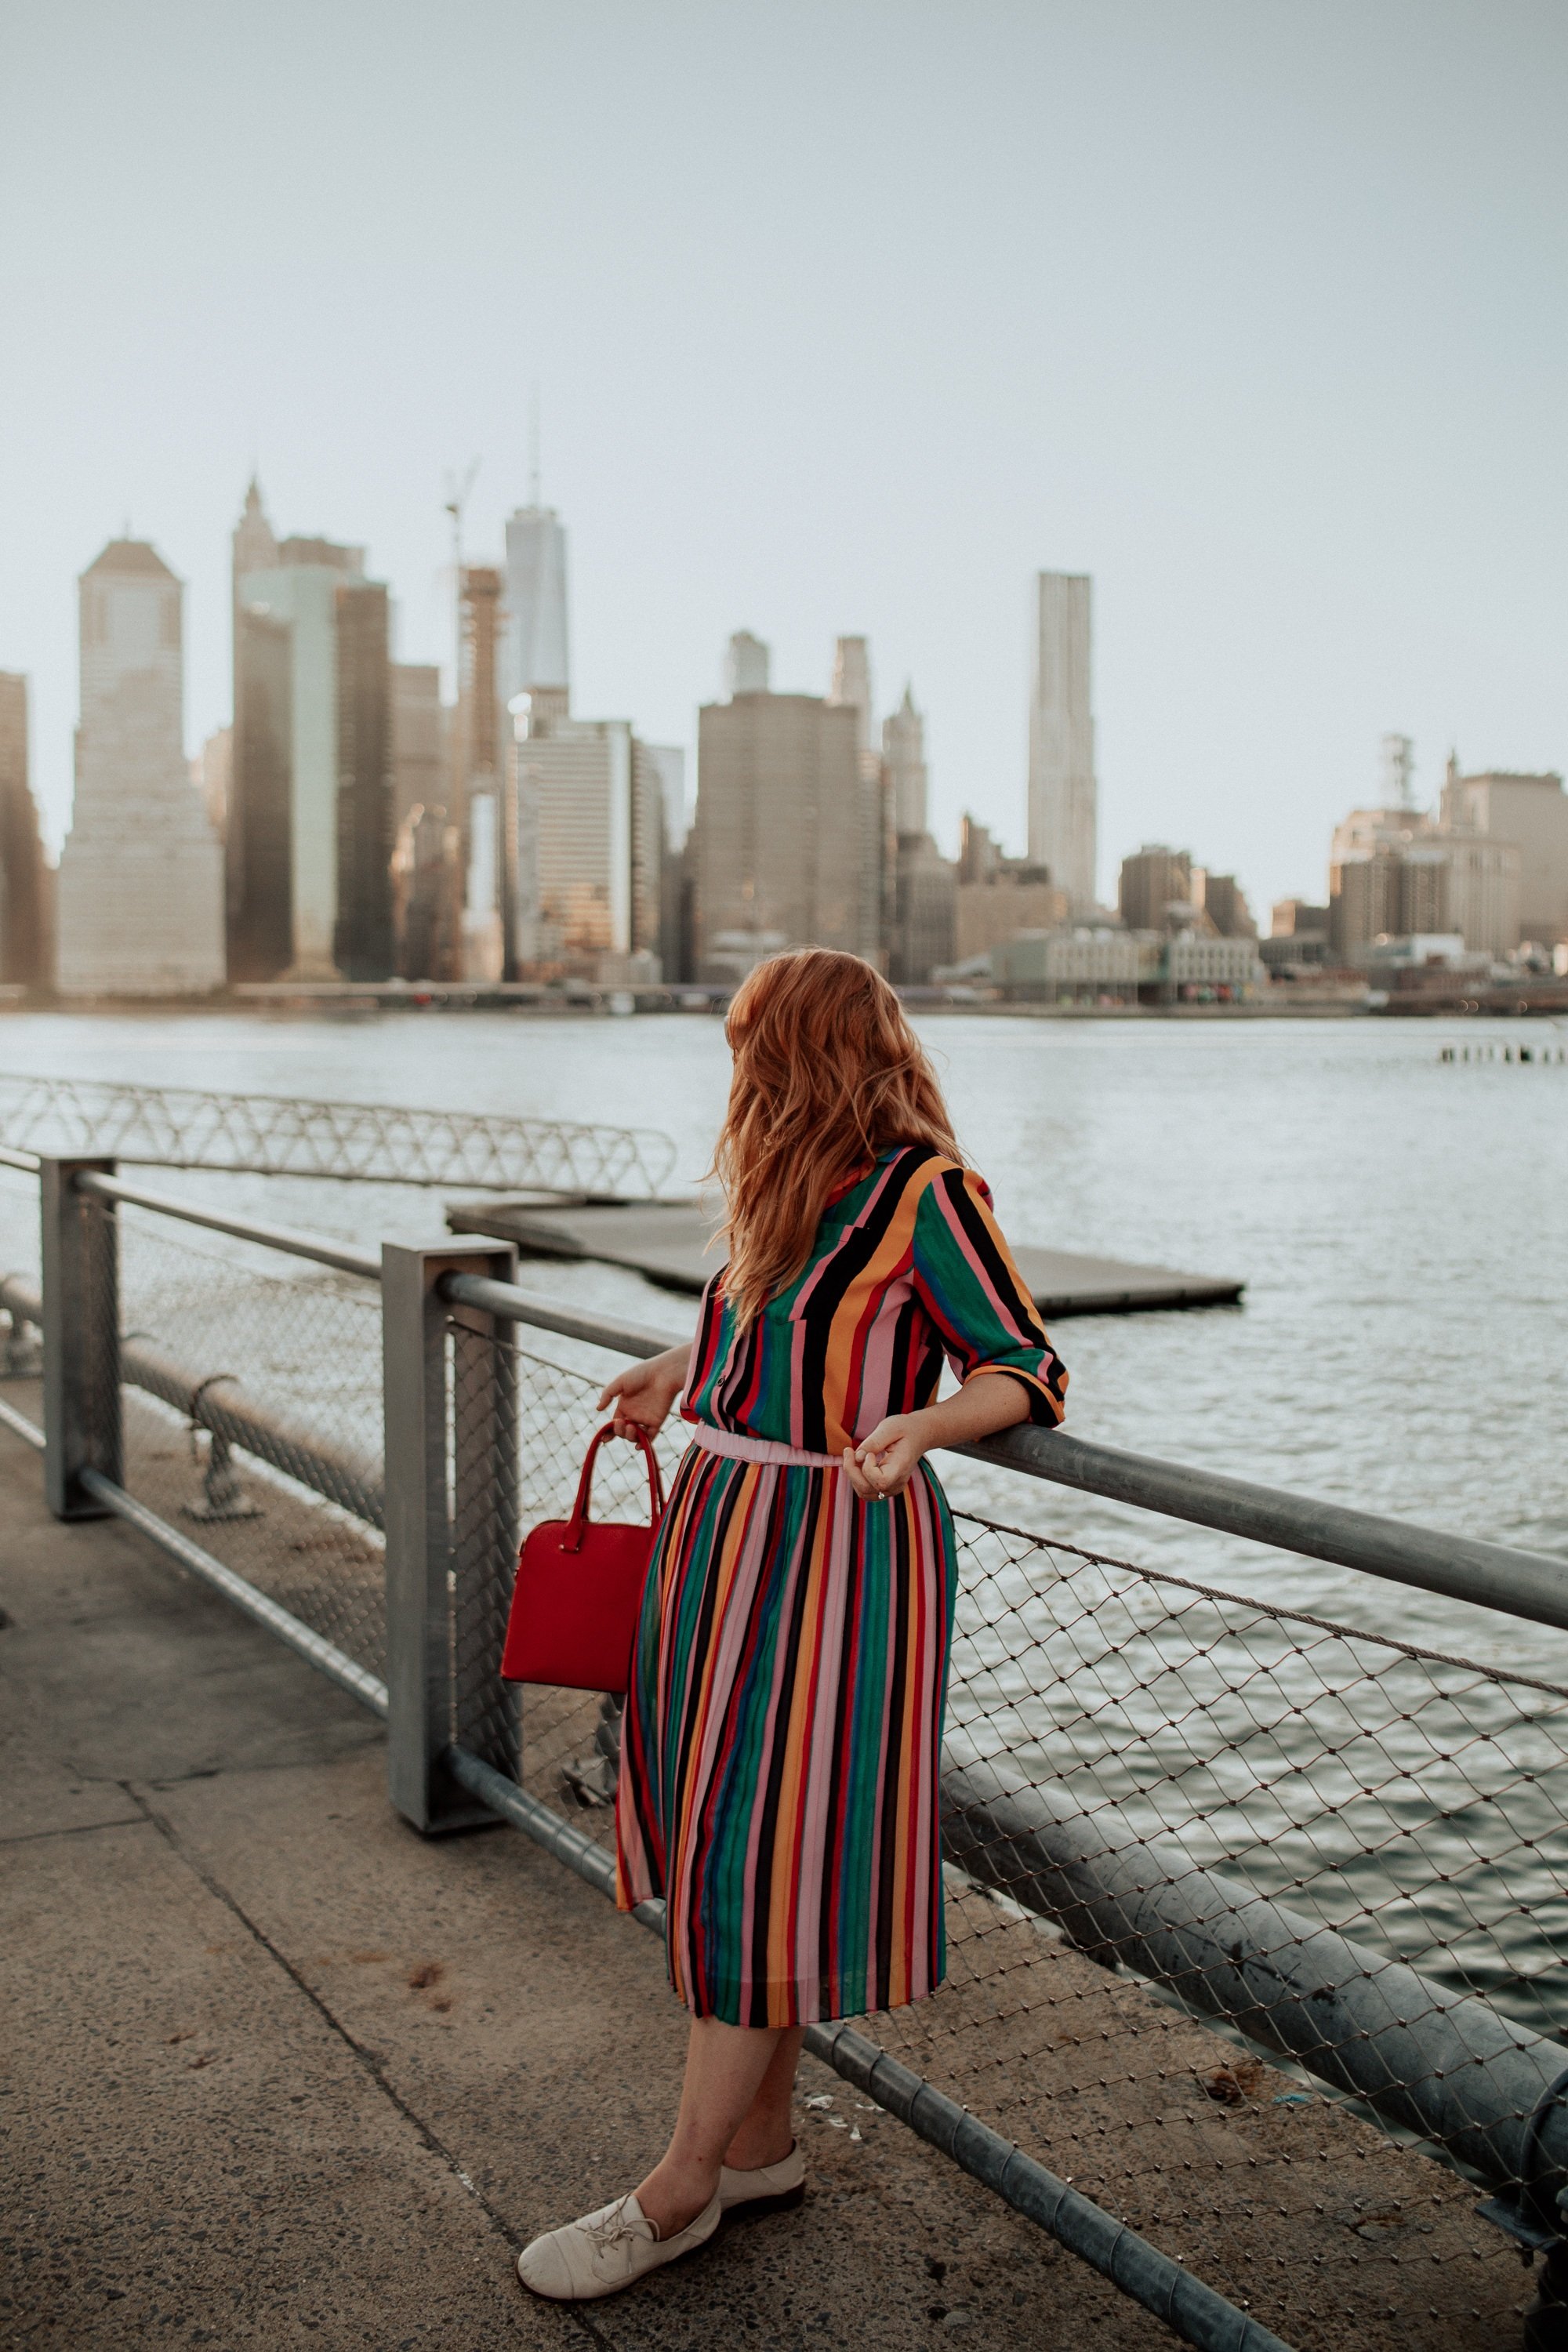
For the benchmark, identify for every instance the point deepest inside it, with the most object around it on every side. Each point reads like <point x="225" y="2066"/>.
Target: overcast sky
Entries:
<point x="847" y="318"/>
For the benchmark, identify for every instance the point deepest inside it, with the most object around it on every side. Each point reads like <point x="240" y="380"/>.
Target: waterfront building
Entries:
<point x="26" y="879"/>
<point x="212" y="772"/>
<point x="1063" y="793"/>
<point x="1392" y="874"/>
<point x="311" y="830"/>
<point x="779" y="845"/>
<point x="591" y="832"/>
<point x="1196" y="959"/>
<point x="925" y="911"/>
<point x="141" y="880"/>
<point x="1298" y="938"/>
<point x="1092" y="963"/>
<point x="363" y="946"/>
<point x="1294" y="919"/>
<point x="668" y="764"/>
<point x="1155" y="889"/>
<point x="534" y="651"/>
<point x="311" y="816"/>
<point x="998" y="897"/>
<point x="426" y="895"/>
<point x="1530" y="811"/>
<point x="421" y="757"/>
<point x="1222" y="899"/>
<point x="1078" y="965"/>
<point x="429" y="874"/>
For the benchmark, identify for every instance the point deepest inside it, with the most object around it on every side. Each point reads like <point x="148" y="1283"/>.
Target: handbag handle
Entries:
<point x="577" y="1523"/>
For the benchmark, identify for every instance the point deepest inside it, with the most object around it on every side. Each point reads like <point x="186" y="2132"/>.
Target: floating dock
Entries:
<point x="667" y="1242"/>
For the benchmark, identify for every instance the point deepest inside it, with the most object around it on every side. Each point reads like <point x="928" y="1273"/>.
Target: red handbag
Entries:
<point x="579" y="1590"/>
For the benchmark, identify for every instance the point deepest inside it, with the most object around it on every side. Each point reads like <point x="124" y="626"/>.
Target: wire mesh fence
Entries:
<point x="1132" y="1761"/>
<point x="250" y="1403"/>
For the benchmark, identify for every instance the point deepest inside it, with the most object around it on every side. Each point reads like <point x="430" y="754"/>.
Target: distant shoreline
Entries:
<point x="356" y="1004"/>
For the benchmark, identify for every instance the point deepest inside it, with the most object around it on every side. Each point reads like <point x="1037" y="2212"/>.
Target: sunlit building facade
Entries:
<point x="1063" y="792"/>
<point x="141" y="881"/>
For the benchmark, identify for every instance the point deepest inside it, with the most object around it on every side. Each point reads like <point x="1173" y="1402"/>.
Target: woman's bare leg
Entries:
<point x="725" y="2067"/>
<point x="766" y="2133"/>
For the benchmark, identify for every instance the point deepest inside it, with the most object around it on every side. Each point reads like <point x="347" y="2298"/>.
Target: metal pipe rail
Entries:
<point x="1463" y="1568"/>
<point x="341" y="1256"/>
<point x="1527" y="1584"/>
<point x="27" y="1162"/>
<point x="508" y="1304"/>
<point x="355" y="1486"/>
<point x="1193" y="2311"/>
<point x="1442" y="2063"/>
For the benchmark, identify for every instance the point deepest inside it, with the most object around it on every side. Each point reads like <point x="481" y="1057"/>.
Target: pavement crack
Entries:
<point x="69" y="1829"/>
<point x="362" y="2057"/>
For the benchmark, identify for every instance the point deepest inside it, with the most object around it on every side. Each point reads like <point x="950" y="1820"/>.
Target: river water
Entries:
<point x="1400" y="1224"/>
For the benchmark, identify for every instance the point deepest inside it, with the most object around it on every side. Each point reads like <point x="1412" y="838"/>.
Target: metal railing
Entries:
<point x="1223" y="1874"/>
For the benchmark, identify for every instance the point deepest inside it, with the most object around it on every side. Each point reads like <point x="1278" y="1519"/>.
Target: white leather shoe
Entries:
<point x="771" y="2189"/>
<point x="607" y="2251"/>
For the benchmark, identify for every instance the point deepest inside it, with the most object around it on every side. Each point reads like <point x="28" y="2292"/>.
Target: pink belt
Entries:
<point x="766" y="1450"/>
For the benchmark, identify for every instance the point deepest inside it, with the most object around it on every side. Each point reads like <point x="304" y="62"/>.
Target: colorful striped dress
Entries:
<point x="782" y="1732"/>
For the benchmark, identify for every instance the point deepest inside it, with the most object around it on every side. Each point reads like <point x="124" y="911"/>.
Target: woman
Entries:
<point x="783" y="1732"/>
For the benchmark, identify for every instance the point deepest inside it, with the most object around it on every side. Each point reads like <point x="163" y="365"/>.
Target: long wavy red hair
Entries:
<point x="827" y="1074"/>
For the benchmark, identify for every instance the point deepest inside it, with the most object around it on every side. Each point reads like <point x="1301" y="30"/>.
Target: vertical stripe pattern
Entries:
<point x="781" y="1743"/>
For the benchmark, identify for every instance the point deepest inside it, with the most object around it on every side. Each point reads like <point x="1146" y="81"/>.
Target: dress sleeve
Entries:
<point x="965" y="1279"/>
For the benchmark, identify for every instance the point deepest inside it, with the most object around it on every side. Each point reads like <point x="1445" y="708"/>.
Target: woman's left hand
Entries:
<point x="884" y="1462"/>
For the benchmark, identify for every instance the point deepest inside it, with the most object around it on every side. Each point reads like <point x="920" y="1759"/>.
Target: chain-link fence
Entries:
<point x="1227" y="1887"/>
<point x="250" y="1414"/>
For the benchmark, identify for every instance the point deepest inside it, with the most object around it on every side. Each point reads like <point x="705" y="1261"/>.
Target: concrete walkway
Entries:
<point x="278" y="2072"/>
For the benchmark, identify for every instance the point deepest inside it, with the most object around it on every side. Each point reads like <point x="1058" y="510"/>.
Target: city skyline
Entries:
<point x="1305" y="443"/>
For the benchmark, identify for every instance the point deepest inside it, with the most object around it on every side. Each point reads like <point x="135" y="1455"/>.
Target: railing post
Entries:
<point x="451" y="1523"/>
<point x="83" y="1428"/>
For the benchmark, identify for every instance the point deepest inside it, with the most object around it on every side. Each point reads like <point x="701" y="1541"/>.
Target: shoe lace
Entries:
<point x="612" y="2226"/>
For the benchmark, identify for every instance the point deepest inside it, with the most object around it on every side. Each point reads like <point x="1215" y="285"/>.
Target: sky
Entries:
<point x="845" y="317"/>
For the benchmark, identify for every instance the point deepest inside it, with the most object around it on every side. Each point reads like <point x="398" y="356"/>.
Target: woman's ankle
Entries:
<point x="760" y="2143"/>
<point x="672" y="2198"/>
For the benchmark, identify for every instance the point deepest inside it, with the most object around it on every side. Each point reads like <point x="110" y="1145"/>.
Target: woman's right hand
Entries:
<point x="643" y="1394"/>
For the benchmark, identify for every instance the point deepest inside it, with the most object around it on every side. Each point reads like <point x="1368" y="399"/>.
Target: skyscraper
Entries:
<point x="485" y="807"/>
<point x="27" y="958"/>
<point x="851" y="688"/>
<point x="575" y="786"/>
<point x="534" y="648"/>
<point x="421" y="765"/>
<point x="921" y="932"/>
<point x="141" y="882"/>
<point x="1530" y="811"/>
<point x="779" y="844"/>
<point x="904" y="751"/>
<point x="310" y="830"/>
<point x="747" y="662"/>
<point x="1063" y="795"/>
<point x="1155" y="891"/>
